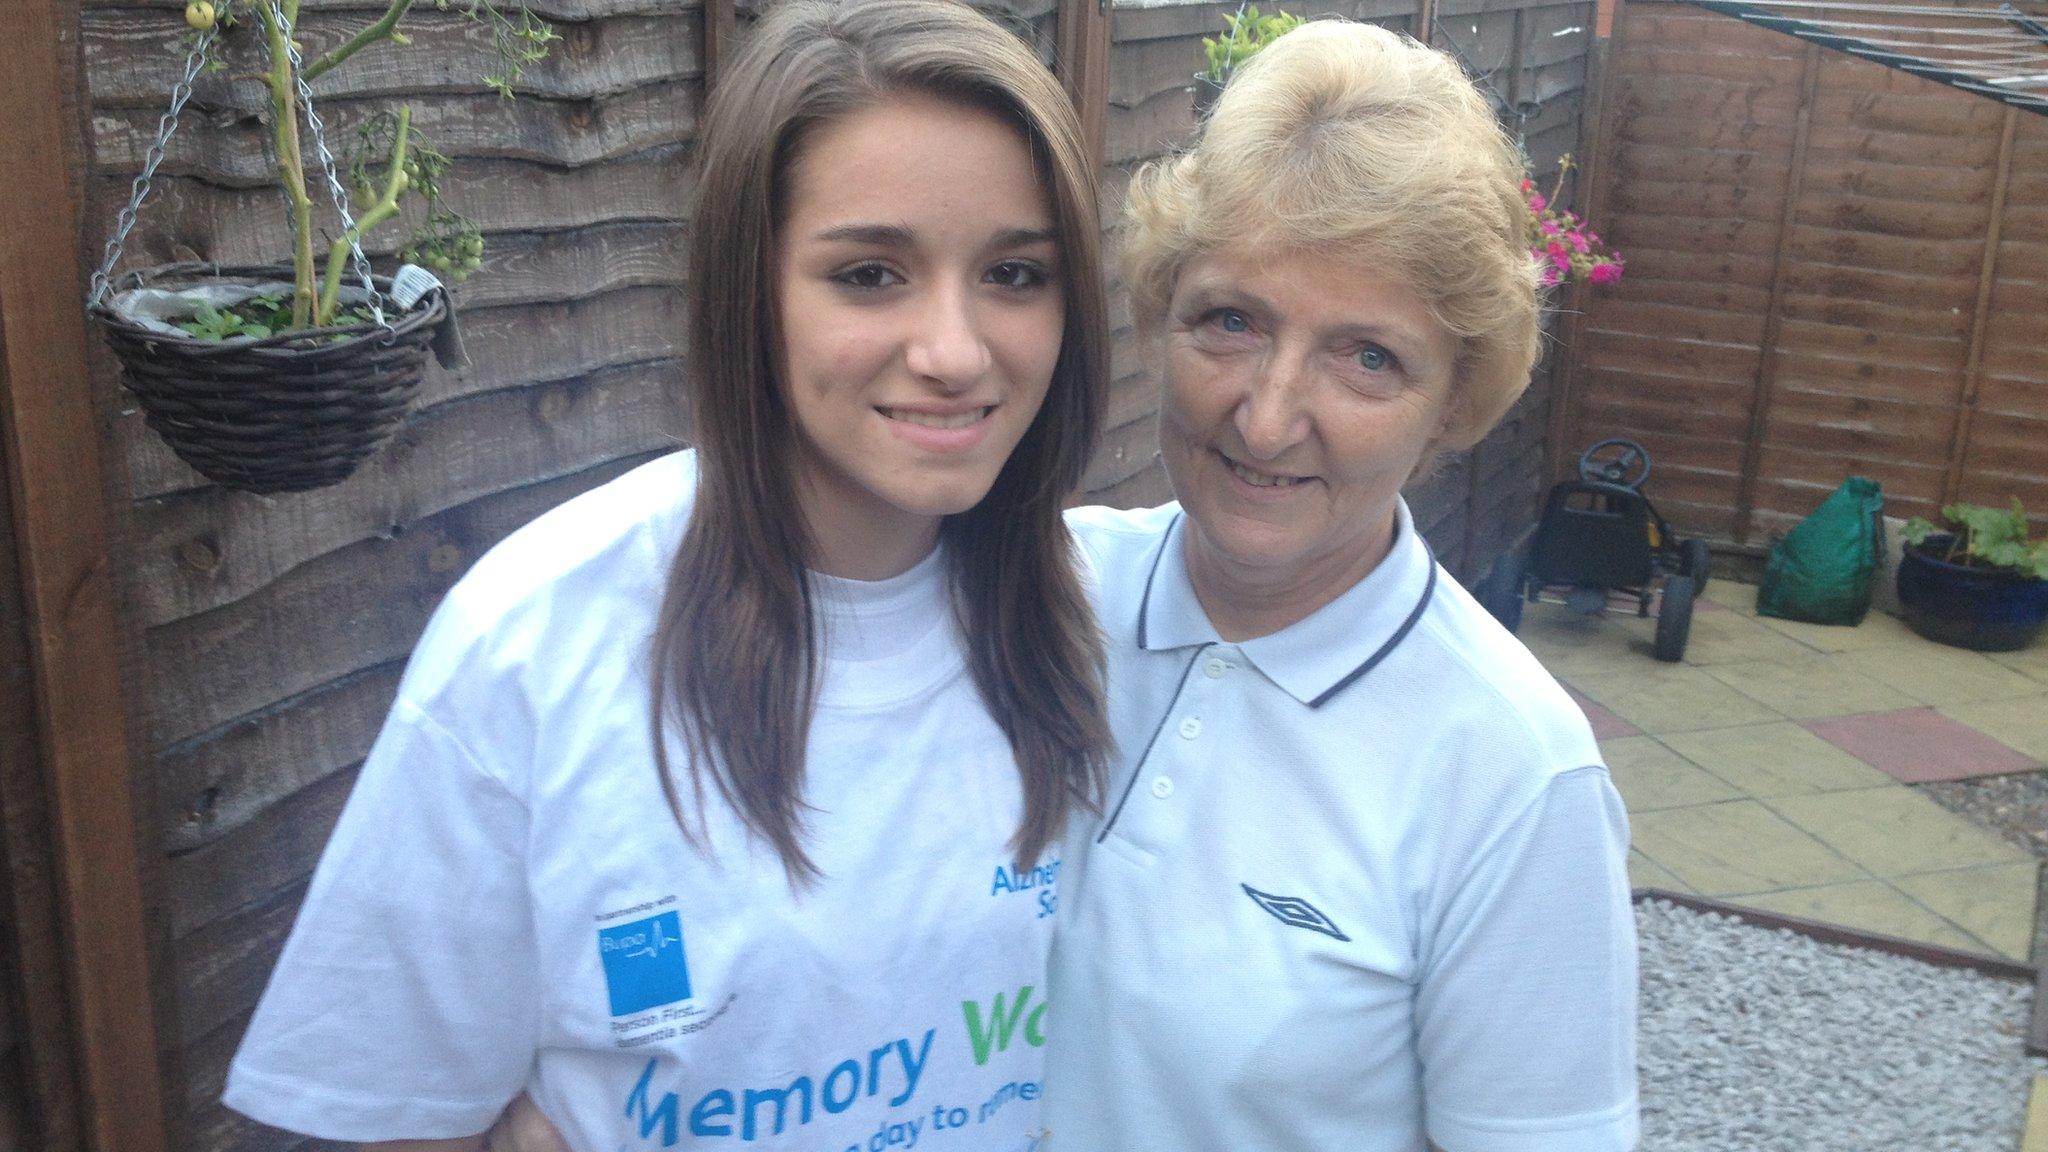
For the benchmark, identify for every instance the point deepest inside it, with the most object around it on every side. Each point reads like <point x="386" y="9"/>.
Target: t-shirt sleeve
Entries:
<point x="405" y="1004"/>
<point x="1526" y="1011"/>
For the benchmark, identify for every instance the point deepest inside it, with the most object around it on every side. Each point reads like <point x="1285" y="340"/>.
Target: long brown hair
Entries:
<point x="735" y="651"/>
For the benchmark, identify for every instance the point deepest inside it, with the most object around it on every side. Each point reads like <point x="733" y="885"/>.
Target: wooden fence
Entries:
<point x="262" y="638"/>
<point x="1834" y="267"/>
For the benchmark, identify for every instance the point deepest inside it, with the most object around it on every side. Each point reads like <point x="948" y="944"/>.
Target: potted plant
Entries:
<point x="1982" y="584"/>
<point x="1566" y="250"/>
<point x="275" y="380"/>
<point x="1244" y="33"/>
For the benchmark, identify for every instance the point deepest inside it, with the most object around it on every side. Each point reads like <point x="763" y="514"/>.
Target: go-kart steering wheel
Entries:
<point x="1619" y="467"/>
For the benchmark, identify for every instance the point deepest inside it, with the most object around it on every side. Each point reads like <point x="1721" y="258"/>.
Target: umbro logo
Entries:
<point x="1295" y="912"/>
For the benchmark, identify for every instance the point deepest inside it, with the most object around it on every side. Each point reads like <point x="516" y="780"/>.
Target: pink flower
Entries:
<point x="1552" y="228"/>
<point x="1550" y="277"/>
<point x="1555" y="249"/>
<point x="1536" y="201"/>
<point x="1578" y="240"/>
<point x="1527" y="184"/>
<point x="1605" y="273"/>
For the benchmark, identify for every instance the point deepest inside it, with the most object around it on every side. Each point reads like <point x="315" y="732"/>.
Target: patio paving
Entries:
<point x="1772" y="767"/>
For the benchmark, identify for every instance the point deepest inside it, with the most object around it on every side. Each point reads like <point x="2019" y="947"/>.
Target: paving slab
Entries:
<point x="1894" y="831"/>
<point x="1722" y="635"/>
<point x="1876" y="631"/>
<point x="1811" y="687"/>
<point x="1644" y="872"/>
<point x="2035" y="1138"/>
<point x="1651" y="776"/>
<point x="1934" y="674"/>
<point x="1775" y="759"/>
<point x="2031" y="662"/>
<point x="1919" y="745"/>
<point x="1869" y="905"/>
<point x="2021" y="725"/>
<point x="1671" y="698"/>
<point x="1606" y="725"/>
<point x="1737" y="848"/>
<point x="1996" y="904"/>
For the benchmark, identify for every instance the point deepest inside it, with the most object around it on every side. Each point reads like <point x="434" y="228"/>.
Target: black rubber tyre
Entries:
<point x="1674" y="619"/>
<point x="1504" y="591"/>
<point x="1698" y="563"/>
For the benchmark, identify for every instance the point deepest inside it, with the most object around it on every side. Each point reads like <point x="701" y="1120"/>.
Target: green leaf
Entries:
<point x="1917" y="530"/>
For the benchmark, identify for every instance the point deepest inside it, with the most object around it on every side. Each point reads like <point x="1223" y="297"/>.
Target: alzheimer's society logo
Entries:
<point x="643" y="963"/>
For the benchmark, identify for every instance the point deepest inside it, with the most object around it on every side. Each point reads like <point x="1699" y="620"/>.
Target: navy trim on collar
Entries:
<point x="1145" y="602"/>
<point x="1319" y="656"/>
<point x="1400" y="634"/>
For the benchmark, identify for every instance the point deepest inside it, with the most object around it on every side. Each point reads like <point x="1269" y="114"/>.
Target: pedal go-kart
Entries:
<point x="1601" y="539"/>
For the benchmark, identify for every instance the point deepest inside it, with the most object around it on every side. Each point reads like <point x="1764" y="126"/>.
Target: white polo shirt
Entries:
<point x="1361" y="883"/>
<point x="508" y="904"/>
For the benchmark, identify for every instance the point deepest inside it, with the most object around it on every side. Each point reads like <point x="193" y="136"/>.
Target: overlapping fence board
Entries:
<point x="1808" y="278"/>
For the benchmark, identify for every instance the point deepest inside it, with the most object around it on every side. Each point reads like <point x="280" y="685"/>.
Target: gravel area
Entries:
<point x="1758" y="1039"/>
<point x="2015" y="807"/>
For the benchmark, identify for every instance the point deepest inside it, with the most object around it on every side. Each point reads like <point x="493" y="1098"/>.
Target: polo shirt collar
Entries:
<point x="1316" y="658"/>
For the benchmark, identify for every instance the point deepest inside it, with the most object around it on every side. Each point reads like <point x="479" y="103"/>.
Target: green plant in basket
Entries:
<point x="1244" y="33"/>
<point x="389" y="163"/>
<point x="1983" y="537"/>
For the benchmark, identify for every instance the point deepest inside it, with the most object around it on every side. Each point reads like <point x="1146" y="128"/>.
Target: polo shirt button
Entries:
<point x="1162" y="787"/>
<point x="1214" y="668"/>
<point x="1190" y="728"/>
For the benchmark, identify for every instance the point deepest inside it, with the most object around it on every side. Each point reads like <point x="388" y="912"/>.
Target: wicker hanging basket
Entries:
<point x="287" y="413"/>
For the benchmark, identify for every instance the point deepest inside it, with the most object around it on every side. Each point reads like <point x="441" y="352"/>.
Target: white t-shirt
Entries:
<point x="508" y="903"/>
<point x="1361" y="883"/>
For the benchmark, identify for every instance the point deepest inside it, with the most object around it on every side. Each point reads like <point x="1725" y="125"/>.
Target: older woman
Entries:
<point x="1360" y="884"/>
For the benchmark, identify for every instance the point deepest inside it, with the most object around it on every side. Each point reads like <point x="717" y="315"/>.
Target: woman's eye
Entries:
<point x="868" y="276"/>
<point x="1374" y="358"/>
<point x="1231" y="320"/>
<point x="1017" y="274"/>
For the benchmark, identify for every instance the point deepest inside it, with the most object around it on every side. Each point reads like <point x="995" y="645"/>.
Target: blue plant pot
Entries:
<point x="1977" y="608"/>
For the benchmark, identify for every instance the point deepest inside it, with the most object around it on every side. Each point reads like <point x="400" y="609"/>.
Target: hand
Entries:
<point x="522" y="1128"/>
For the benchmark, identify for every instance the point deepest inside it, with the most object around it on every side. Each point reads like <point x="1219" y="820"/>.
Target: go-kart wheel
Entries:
<point x="1504" y="591"/>
<point x="1698" y="563"/>
<point x="1674" y="619"/>
<point x="1627" y="466"/>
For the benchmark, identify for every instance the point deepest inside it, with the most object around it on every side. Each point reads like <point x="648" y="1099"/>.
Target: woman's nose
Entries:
<point x="947" y="345"/>
<point x="1271" y="417"/>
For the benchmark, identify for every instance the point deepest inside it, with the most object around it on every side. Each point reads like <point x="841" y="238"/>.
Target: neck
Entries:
<point x="1247" y="601"/>
<point x="856" y="536"/>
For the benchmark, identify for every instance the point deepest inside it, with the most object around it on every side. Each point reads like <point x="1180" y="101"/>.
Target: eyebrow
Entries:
<point x="1212" y="295"/>
<point x="896" y="236"/>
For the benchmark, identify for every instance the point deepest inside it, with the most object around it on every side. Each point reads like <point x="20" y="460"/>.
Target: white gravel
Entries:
<point x="1758" y="1039"/>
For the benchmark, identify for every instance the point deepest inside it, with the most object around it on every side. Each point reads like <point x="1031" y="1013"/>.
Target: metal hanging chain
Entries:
<point x="195" y="63"/>
<point x="339" y="194"/>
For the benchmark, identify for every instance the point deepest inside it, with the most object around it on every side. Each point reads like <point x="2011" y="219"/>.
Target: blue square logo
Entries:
<point x="643" y="963"/>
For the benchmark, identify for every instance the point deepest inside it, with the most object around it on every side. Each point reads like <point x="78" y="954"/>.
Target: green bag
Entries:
<point x="1821" y="571"/>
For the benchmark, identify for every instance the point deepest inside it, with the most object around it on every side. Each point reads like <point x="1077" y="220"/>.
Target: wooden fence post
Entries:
<point x="1767" y="348"/>
<point x="1083" y="47"/>
<point x="1980" y="317"/>
<point x="721" y="27"/>
<point x="51" y="448"/>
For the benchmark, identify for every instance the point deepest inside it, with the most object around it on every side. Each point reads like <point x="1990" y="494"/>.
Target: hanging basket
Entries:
<point x="286" y="413"/>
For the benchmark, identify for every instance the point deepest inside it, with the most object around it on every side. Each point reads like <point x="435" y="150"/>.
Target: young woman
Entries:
<point x="803" y="901"/>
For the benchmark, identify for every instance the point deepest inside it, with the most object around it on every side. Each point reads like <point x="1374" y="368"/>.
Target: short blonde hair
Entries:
<point x="1346" y="137"/>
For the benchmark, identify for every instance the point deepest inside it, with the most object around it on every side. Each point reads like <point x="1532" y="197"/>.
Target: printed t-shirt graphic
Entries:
<point x="650" y="994"/>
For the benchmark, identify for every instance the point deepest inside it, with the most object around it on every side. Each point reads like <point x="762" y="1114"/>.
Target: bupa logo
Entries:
<point x="643" y="963"/>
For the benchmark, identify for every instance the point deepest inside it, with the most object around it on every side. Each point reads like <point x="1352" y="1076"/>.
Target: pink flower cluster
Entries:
<point x="1566" y="249"/>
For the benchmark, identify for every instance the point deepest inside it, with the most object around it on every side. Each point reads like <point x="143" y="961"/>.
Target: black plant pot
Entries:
<point x="1983" y="609"/>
